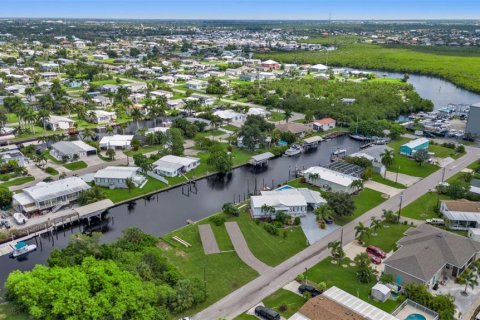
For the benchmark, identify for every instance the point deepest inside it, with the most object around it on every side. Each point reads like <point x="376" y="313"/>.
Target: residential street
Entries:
<point x="253" y="292"/>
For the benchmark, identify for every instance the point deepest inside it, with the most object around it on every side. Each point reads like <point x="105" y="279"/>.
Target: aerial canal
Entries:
<point x="169" y="210"/>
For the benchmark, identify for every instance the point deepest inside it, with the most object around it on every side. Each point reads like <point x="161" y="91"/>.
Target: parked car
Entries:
<point x="5" y="224"/>
<point x="376" y="252"/>
<point x="266" y="313"/>
<point x="375" y="260"/>
<point x="307" y="288"/>
<point x="435" y="221"/>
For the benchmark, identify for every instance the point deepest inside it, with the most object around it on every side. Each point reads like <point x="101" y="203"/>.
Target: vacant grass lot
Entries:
<point x="17" y="181"/>
<point x="380" y="179"/>
<point x="458" y="65"/>
<point x="424" y="207"/>
<point x="408" y="166"/>
<point x="367" y="199"/>
<point x="387" y="237"/>
<point x="276" y="116"/>
<point x="75" y="165"/>
<point x="293" y="302"/>
<point x="345" y="279"/>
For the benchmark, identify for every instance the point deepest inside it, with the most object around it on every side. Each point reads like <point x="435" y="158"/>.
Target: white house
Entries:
<point x="196" y="84"/>
<point x="460" y="214"/>
<point x="117" y="141"/>
<point x="101" y="116"/>
<point x="161" y="93"/>
<point x="323" y="124"/>
<point x="114" y="177"/>
<point x="59" y="123"/>
<point x="329" y="179"/>
<point x="49" y="195"/>
<point x="319" y="68"/>
<point x="295" y="202"/>
<point x="230" y="115"/>
<point x="258" y="112"/>
<point x="172" y="166"/>
<point x="71" y="148"/>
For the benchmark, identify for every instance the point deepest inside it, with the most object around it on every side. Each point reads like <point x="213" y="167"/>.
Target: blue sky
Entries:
<point x="243" y="9"/>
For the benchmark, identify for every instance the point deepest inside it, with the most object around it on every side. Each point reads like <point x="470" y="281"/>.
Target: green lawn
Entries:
<point x="380" y="179"/>
<point x="75" y="165"/>
<point x="7" y="312"/>
<point x="408" y="166"/>
<point x="387" y="237"/>
<point x="51" y="171"/>
<point x="444" y="152"/>
<point x="12" y="118"/>
<point x="230" y="127"/>
<point x="276" y="116"/>
<point x="345" y="279"/>
<point x="246" y="317"/>
<point x="367" y="199"/>
<point x="17" y="181"/>
<point x="51" y="158"/>
<point x="283" y="297"/>
<point x="224" y="272"/>
<point x="214" y="133"/>
<point x="424" y="207"/>
<point x="118" y="195"/>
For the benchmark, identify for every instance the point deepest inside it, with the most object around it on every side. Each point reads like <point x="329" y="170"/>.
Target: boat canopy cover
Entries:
<point x="20" y="245"/>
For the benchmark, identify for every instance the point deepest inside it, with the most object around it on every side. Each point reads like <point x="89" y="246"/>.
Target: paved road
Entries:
<point x="242" y="249"/>
<point x="209" y="242"/>
<point x="248" y="295"/>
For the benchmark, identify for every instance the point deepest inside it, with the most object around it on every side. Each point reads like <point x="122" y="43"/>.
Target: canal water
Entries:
<point x="169" y="210"/>
<point x="439" y="91"/>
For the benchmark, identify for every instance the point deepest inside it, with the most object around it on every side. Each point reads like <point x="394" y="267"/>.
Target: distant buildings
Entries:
<point x="296" y="128"/>
<point x="473" y="122"/>
<point x="101" y="116"/>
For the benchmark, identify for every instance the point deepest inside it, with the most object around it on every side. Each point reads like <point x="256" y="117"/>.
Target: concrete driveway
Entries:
<point x="311" y="229"/>
<point x="383" y="188"/>
<point x="465" y="304"/>
<point x="402" y="178"/>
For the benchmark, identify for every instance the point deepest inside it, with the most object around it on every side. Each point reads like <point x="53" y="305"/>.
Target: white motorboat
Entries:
<point x="22" y="248"/>
<point x="293" y="150"/>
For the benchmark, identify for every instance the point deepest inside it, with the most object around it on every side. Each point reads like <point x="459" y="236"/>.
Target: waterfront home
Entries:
<point x="460" y="214"/>
<point x="413" y="146"/>
<point x="13" y="154"/>
<point x="117" y="141"/>
<point x="172" y="166"/>
<point x="101" y="116"/>
<point x="115" y="177"/>
<point x="297" y="128"/>
<point x="426" y="254"/>
<point x="59" y="123"/>
<point x="49" y="195"/>
<point x="71" y="149"/>
<point x="295" y="202"/>
<point x="329" y="179"/>
<point x="323" y="124"/>
<point x="196" y="84"/>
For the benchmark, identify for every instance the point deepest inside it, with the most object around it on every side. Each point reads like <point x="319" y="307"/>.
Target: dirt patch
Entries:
<point x="164" y="246"/>
<point x="180" y="253"/>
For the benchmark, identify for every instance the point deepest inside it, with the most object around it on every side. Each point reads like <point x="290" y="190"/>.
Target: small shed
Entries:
<point x="380" y="292"/>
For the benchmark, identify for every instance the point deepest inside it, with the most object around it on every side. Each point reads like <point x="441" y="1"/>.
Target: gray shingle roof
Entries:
<point x="426" y="249"/>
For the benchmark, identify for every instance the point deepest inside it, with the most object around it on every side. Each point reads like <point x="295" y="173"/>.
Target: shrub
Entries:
<point x="297" y="221"/>
<point x="460" y="149"/>
<point x="301" y="277"/>
<point x="217" y="220"/>
<point x="271" y="228"/>
<point x="283" y="308"/>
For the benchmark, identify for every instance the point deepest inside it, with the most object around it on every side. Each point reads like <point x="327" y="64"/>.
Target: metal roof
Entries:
<point x="114" y="172"/>
<point x="263" y="156"/>
<point x="50" y="190"/>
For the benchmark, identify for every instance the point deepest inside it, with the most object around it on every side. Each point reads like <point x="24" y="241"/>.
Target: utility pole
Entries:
<point x="396" y="177"/>
<point x="400" y="207"/>
<point x="443" y="174"/>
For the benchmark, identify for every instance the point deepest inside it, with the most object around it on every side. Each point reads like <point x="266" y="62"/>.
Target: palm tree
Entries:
<point x="110" y="154"/>
<point x="356" y="185"/>
<point x="361" y="231"/>
<point x="470" y="279"/>
<point x="323" y="212"/>
<point x="387" y="159"/>
<point x="43" y="116"/>
<point x="136" y="115"/>
<point x="336" y="249"/>
<point x="109" y="130"/>
<point x="287" y="114"/>
<point x="375" y="224"/>
<point x="30" y="118"/>
<point x="130" y="184"/>
<point x="267" y="209"/>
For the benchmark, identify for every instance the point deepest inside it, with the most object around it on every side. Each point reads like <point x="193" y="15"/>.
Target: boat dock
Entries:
<point x="312" y="142"/>
<point x="261" y="159"/>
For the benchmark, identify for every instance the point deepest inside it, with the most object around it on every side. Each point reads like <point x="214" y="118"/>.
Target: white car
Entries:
<point x="435" y="221"/>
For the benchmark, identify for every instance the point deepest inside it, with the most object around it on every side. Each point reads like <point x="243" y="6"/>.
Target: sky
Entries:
<point x="243" y="9"/>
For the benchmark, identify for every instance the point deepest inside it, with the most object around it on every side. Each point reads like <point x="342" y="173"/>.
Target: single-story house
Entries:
<point x="270" y="64"/>
<point x="117" y="141"/>
<point x="426" y="254"/>
<point x="258" y="112"/>
<point x="49" y="195"/>
<point x="230" y="115"/>
<point x="115" y="177"/>
<point x="329" y="179"/>
<point x="59" y="123"/>
<point x="319" y="68"/>
<point x="112" y="88"/>
<point x="413" y="146"/>
<point x="295" y="202"/>
<point x="475" y="186"/>
<point x="196" y="84"/>
<point x="323" y="124"/>
<point x="14" y="155"/>
<point x="101" y="116"/>
<point x="102" y="101"/>
<point x="161" y="93"/>
<point x="460" y="214"/>
<point x="296" y="128"/>
<point x="172" y="166"/>
<point x="70" y="149"/>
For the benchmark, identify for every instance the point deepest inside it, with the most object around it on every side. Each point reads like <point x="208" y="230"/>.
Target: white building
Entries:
<point x="295" y="202"/>
<point x="329" y="179"/>
<point x="49" y="195"/>
<point x="258" y="112"/>
<point x="117" y="141"/>
<point x="319" y="68"/>
<point x="60" y="123"/>
<point x="101" y="116"/>
<point x="70" y="149"/>
<point x="230" y="115"/>
<point x="196" y="84"/>
<point x="172" y="166"/>
<point x="114" y="177"/>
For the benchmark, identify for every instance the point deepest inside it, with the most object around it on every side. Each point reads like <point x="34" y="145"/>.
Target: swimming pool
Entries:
<point x="285" y="187"/>
<point x="415" y="316"/>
